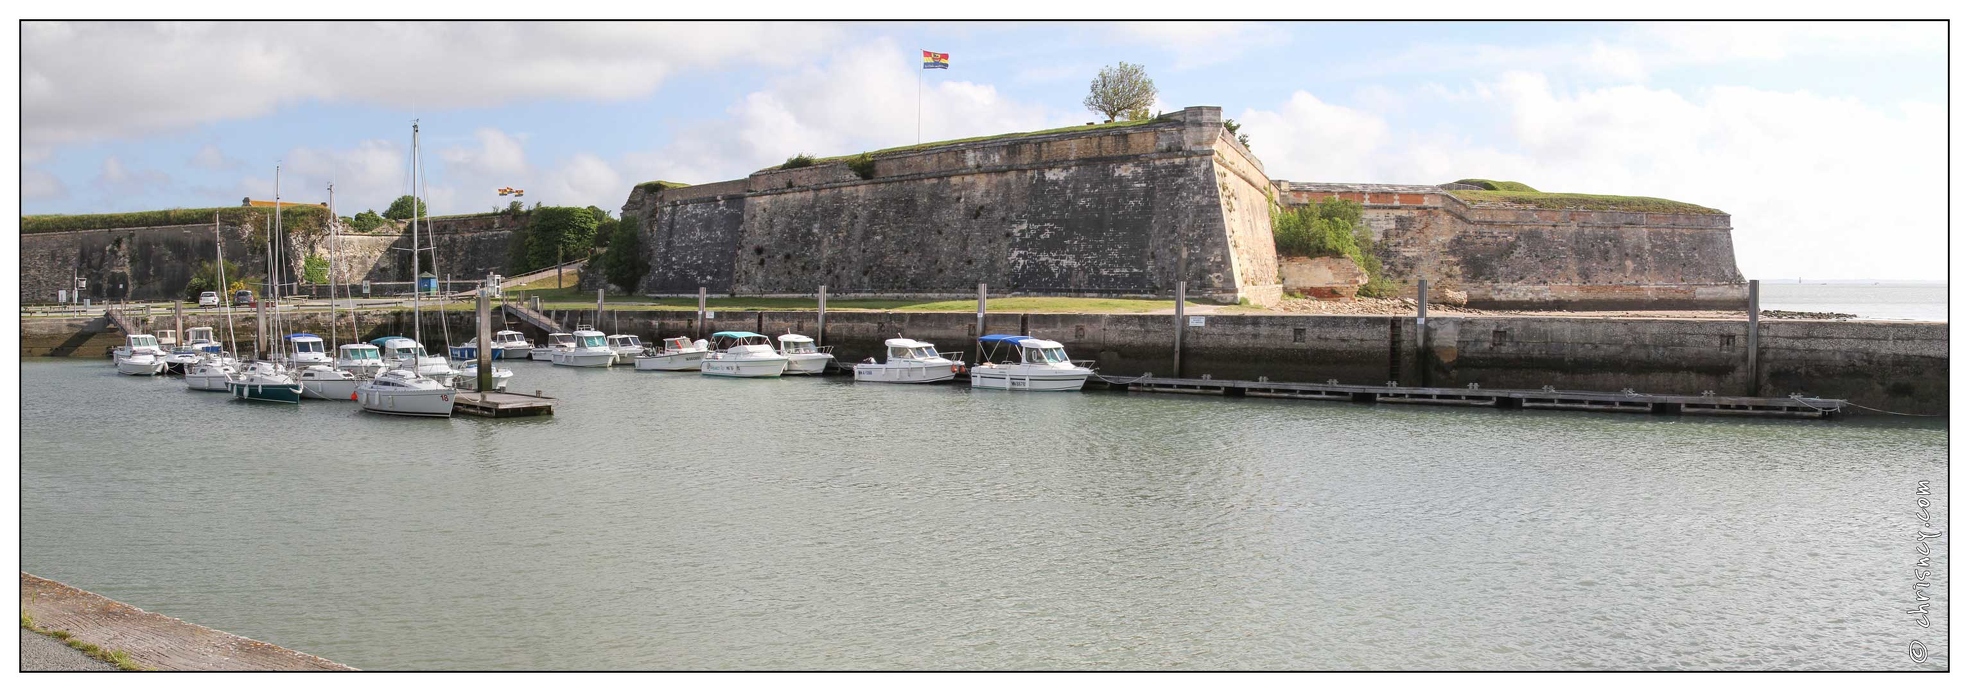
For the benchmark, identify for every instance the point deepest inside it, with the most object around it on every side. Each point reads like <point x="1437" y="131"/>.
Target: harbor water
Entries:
<point x="1871" y="300"/>
<point x="673" y="521"/>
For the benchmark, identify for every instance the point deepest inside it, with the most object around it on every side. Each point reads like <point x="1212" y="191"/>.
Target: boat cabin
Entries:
<point x="1011" y="348"/>
<point x="140" y="343"/>
<point x="589" y="338"/>
<point x="306" y="344"/>
<point x="397" y="347"/>
<point x="728" y="341"/>
<point x="677" y="344"/>
<point x="910" y="349"/>
<point x="507" y="337"/>
<point x="166" y="338"/>
<point x="360" y="352"/>
<point x="561" y="340"/>
<point x="625" y="342"/>
<point x="795" y="343"/>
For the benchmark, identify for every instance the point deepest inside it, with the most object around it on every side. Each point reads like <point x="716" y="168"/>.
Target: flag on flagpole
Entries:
<point x="936" y="61"/>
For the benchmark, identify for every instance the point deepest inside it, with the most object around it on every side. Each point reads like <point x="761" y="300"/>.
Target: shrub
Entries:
<point x="624" y="264"/>
<point x="797" y="161"/>
<point x="405" y="207"/>
<point x="863" y="164"/>
<point x="366" y="221"/>
<point x="1331" y="228"/>
<point x="315" y="269"/>
<point x="553" y="234"/>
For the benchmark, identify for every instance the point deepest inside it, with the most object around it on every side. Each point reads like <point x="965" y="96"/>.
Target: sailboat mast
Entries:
<point x="416" y="278"/>
<point x="420" y="192"/>
<point x="225" y="300"/>
<point x="280" y="257"/>
<point x="334" y="248"/>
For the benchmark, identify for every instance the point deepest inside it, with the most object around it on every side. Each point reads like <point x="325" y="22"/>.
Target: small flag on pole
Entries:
<point x="936" y="61"/>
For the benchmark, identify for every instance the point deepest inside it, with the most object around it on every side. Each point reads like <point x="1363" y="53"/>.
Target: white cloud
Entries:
<point x="149" y="77"/>
<point x="1201" y="44"/>
<point x="1817" y="186"/>
<point x="209" y="157"/>
<point x="37" y="184"/>
<point x="117" y="178"/>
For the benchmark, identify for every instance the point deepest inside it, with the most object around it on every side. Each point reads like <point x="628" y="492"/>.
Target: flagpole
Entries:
<point x="919" y="105"/>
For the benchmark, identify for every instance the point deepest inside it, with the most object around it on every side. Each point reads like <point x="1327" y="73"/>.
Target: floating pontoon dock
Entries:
<point x="1624" y="401"/>
<point x="502" y="404"/>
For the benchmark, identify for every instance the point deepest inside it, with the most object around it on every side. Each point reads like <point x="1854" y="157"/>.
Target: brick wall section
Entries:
<point x="1123" y="211"/>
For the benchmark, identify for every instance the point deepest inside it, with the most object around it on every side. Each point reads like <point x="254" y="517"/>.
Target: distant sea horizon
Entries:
<point x="1872" y="299"/>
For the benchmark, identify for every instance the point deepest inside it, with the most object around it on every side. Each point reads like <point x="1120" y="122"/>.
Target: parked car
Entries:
<point x="242" y="297"/>
<point x="208" y="299"/>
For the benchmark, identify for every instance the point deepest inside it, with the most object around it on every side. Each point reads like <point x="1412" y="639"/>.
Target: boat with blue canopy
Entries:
<point x="1011" y="361"/>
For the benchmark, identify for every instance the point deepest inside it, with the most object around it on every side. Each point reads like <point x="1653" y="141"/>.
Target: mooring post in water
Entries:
<point x="1422" y="330"/>
<point x="1750" y="346"/>
<point x="820" y="330"/>
<point x="700" y="312"/>
<point x="981" y="309"/>
<point x="598" y="308"/>
<point x="178" y="317"/>
<point x="1177" y="362"/>
<point x="485" y="339"/>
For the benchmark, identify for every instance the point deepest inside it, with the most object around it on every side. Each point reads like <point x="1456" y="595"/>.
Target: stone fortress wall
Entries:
<point x="1506" y="257"/>
<point x="1115" y="211"/>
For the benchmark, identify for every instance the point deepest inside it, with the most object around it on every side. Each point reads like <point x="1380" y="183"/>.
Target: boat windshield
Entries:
<point x="1046" y="355"/>
<point x="918" y="352"/>
<point x="363" y="353"/>
<point x="592" y="342"/>
<point x="199" y="334"/>
<point x="143" y="341"/>
<point x="632" y="341"/>
<point x="798" y="346"/>
<point x="567" y="339"/>
<point x="677" y="344"/>
<point x="307" y="347"/>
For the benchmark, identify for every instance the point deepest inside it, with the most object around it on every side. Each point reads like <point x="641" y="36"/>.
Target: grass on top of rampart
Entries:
<point x="907" y="148"/>
<point x="1577" y="201"/>
<point x="52" y="223"/>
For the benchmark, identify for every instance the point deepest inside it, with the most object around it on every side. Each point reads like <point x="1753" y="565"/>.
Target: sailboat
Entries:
<point x="265" y="379"/>
<point x="422" y="362"/>
<point x="216" y="371"/>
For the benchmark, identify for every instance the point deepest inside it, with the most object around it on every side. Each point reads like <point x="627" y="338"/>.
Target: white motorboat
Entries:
<point x="265" y="381"/>
<point x="909" y="361"/>
<point x="210" y="375"/>
<point x="512" y="345"/>
<point x="167" y="339"/>
<point x="203" y="339"/>
<point x="468" y="376"/>
<point x="1025" y="363"/>
<point x="677" y="353"/>
<point x="399" y="352"/>
<point x="405" y="393"/>
<point x="364" y="360"/>
<point x="181" y="359"/>
<point x="742" y="354"/>
<point x="305" y="350"/>
<point x="141" y="364"/>
<point x="625" y="346"/>
<point x="590" y="351"/>
<point x="135" y="344"/>
<point x="556" y="342"/>
<point x="802" y="357"/>
<point x="326" y="382"/>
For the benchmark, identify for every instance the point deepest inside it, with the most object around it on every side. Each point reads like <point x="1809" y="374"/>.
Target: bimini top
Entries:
<point x="385" y="340"/>
<point x="302" y="335"/>
<point x="908" y="343"/>
<point x="793" y="339"/>
<point x="737" y="335"/>
<point x="1015" y="340"/>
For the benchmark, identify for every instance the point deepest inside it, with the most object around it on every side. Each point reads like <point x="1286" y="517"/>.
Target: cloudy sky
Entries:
<point x="1824" y="141"/>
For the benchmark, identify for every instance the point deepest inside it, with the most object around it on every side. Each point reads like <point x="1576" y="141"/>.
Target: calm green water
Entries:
<point x="675" y="521"/>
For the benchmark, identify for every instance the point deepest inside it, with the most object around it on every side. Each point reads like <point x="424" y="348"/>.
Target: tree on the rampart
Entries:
<point x="205" y="277"/>
<point x="1122" y="90"/>
<point x="1233" y="126"/>
<point x="553" y="234"/>
<point x="1331" y="228"/>
<point x="624" y="264"/>
<point x="405" y="207"/>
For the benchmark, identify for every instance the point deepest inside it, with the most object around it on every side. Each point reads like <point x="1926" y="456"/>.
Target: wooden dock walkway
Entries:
<point x="502" y="404"/>
<point x="529" y="316"/>
<point x="1624" y="401"/>
<point x="154" y="641"/>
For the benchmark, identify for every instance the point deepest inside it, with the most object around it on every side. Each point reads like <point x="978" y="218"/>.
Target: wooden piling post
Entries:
<point x="1422" y="331"/>
<point x="700" y="312"/>
<point x="485" y="340"/>
<point x="178" y="318"/>
<point x="820" y="335"/>
<point x="982" y="292"/>
<point x="1182" y="290"/>
<point x="1754" y="383"/>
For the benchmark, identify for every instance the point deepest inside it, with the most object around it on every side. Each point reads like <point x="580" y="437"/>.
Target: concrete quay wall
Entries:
<point x="1899" y="366"/>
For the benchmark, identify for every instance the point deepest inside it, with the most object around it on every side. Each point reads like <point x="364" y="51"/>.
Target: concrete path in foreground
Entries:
<point x="154" y="641"/>
<point x="40" y="652"/>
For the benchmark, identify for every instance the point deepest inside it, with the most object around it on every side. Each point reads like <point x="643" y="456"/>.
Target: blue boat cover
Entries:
<point x="736" y="335"/>
<point x="292" y="337"/>
<point x="996" y="339"/>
